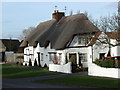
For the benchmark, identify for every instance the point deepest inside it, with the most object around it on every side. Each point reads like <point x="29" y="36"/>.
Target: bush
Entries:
<point x="30" y="63"/>
<point x="109" y="63"/>
<point x="35" y="63"/>
<point x="72" y="59"/>
<point x="98" y="62"/>
<point x="105" y="64"/>
<point x="117" y="64"/>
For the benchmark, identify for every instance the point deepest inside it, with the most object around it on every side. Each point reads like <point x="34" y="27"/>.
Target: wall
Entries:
<point x="12" y="57"/>
<point x="28" y="54"/>
<point x="61" y="68"/>
<point x="99" y="47"/>
<point x="45" y="51"/>
<point x="86" y="50"/>
<point x="95" y="70"/>
<point x="115" y="51"/>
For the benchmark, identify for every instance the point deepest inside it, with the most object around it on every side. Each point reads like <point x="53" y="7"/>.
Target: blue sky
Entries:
<point x="17" y="16"/>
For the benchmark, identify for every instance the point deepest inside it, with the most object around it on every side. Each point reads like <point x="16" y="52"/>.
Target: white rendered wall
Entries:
<point x="28" y="54"/>
<point x="66" y="68"/>
<point x="95" y="70"/>
<point x="115" y="51"/>
<point x="76" y="51"/>
<point x="99" y="47"/>
<point x="45" y="52"/>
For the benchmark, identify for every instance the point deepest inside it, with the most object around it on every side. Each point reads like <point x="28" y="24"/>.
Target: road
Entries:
<point x="29" y="82"/>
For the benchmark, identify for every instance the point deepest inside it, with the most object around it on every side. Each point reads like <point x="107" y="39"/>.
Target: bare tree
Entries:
<point x="107" y="23"/>
<point x="26" y="32"/>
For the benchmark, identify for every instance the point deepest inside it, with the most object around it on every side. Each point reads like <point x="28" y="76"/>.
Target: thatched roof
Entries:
<point x="59" y="34"/>
<point x="10" y="44"/>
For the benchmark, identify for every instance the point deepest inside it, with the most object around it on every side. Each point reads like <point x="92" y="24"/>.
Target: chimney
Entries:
<point x="57" y="15"/>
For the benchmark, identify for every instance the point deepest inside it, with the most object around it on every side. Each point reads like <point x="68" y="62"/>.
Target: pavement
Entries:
<point x="29" y="82"/>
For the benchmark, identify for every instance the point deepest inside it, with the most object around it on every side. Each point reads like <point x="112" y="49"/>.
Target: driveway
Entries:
<point x="28" y="82"/>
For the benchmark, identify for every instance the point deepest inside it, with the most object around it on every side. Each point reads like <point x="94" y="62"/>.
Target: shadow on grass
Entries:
<point x="17" y="71"/>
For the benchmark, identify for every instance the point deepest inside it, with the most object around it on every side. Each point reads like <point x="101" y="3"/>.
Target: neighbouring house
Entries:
<point x="8" y="49"/>
<point x="64" y="38"/>
<point x="2" y="51"/>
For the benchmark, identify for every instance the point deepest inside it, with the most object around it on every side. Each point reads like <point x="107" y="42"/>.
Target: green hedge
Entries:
<point x="109" y="63"/>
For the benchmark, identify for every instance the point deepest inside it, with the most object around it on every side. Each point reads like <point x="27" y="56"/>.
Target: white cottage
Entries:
<point x="57" y="40"/>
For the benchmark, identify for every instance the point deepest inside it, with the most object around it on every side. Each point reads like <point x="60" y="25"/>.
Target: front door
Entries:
<point x="102" y="55"/>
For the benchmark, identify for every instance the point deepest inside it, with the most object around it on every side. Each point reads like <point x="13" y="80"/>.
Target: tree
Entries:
<point x="26" y="32"/>
<point x="107" y="23"/>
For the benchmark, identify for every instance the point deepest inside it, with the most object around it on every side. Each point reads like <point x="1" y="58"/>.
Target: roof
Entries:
<point x="2" y="47"/>
<point x="10" y="44"/>
<point x="94" y="39"/>
<point x="39" y="30"/>
<point x="113" y="35"/>
<point x="59" y="34"/>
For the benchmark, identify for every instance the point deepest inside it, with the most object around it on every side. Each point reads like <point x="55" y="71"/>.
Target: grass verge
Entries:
<point x="17" y="71"/>
<point x="86" y="81"/>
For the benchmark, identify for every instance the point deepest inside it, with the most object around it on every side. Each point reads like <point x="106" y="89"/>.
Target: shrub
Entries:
<point x="117" y="64"/>
<point x="72" y="59"/>
<point x="21" y="64"/>
<point x="109" y="63"/>
<point x="35" y="63"/>
<point x="30" y="63"/>
<point x="98" y="62"/>
<point x="105" y="64"/>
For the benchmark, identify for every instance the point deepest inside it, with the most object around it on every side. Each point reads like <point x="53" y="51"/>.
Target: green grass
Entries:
<point x="14" y="71"/>
<point x="88" y="81"/>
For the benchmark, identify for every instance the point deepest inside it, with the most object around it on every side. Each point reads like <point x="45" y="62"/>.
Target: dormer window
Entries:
<point x="83" y="41"/>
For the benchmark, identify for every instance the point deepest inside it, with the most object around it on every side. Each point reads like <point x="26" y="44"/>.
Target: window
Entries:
<point x="59" y="58"/>
<point x="50" y="57"/>
<point x="82" y="40"/>
<point x="41" y="56"/>
<point x="83" y="57"/>
<point x="60" y="54"/>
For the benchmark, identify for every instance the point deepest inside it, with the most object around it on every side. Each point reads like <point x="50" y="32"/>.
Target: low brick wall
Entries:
<point x="67" y="68"/>
<point x="95" y="70"/>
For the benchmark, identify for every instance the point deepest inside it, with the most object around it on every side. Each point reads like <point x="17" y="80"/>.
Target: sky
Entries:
<point x="17" y="16"/>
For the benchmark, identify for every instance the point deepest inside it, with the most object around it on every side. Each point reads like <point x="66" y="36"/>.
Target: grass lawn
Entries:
<point x="88" y="81"/>
<point x="14" y="71"/>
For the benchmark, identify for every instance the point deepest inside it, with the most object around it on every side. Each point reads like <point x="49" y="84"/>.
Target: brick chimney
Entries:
<point x="57" y="15"/>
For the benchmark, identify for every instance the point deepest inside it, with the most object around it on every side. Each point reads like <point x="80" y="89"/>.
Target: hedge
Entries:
<point x="109" y="63"/>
